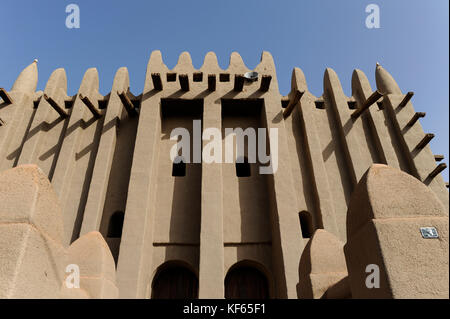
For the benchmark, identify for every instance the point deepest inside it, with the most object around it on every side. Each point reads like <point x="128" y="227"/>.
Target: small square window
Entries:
<point x="352" y="105"/>
<point x="171" y="77"/>
<point x="198" y="77"/>
<point x="224" y="77"/>
<point x="320" y="105"/>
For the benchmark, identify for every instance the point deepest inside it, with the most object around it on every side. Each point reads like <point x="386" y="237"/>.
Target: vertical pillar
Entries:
<point x="17" y="116"/>
<point x="320" y="182"/>
<point x="76" y="158"/>
<point x="211" y="273"/>
<point x="137" y="236"/>
<point x="103" y="163"/>
<point x="43" y="140"/>
<point x="286" y="233"/>
<point x="357" y="154"/>
<point x="376" y="119"/>
<point x="211" y="267"/>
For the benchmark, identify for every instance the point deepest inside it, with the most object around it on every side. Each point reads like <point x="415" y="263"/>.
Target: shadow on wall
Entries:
<point x="91" y="149"/>
<point x="185" y="203"/>
<point x="186" y="206"/>
<point x="119" y="178"/>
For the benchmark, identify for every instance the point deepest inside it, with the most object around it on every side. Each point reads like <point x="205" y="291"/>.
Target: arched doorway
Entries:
<point x="246" y="282"/>
<point x="174" y="281"/>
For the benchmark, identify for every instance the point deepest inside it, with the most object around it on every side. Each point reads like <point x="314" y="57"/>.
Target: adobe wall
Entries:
<point x="111" y="153"/>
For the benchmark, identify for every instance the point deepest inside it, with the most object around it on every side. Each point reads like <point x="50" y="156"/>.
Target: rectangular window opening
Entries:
<point x="243" y="169"/>
<point x="171" y="77"/>
<point x="224" y="77"/>
<point x="198" y="77"/>
<point x="320" y="105"/>
<point x="179" y="169"/>
<point x="352" y="105"/>
<point x="284" y="103"/>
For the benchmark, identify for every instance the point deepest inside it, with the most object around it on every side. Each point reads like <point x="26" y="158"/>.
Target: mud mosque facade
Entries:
<point x="87" y="180"/>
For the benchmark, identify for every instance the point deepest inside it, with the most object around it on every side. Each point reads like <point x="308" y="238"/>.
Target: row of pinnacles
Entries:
<point x="46" y="226"/>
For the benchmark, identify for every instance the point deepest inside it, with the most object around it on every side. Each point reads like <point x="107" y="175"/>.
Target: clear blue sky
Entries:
<point x="412" y="43"/>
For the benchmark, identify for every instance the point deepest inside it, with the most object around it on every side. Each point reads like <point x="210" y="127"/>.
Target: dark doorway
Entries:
<point x="175" y="282"/>
<point x="246" y="282"/>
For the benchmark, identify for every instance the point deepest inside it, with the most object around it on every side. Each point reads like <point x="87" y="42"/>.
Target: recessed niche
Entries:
<point x="320" y="105"/>
<point x="171" y="77"/>
<point x="224" y="77"/>
<point x="198" y="77"/>
<point x="352" y="105"/>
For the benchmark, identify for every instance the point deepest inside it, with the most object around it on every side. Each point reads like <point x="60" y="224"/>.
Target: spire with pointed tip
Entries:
<point x="57" y="80"/>
<point x="155" y="62"/>
<point x="298" y="81"/>
<point x="210" y="63"/>
<point x="90" y="82"/>
<point x="236" y="63"/>
<point x="385" y="82"/>
<point x="184" y="63"/>
<point x="266" y="64"/>
<point x="360" y="84"/>
<point x="27" y="80"/>
<point x="331" y="82"/>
